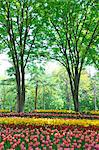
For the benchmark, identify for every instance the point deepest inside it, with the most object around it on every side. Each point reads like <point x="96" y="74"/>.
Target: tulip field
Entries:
<point x="36" y="131"/>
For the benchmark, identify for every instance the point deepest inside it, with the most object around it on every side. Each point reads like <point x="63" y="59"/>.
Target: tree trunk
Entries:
<point x="76" y="101"/>
<point x="20" y="91"/>
<point x="94" y="91"/>
<point x="74" y="84"/>
<point x="43" y="98"/>
<point x="67" y="97"/>
<point x="75" y="93"/>
<point x="4" y="96"/>
<point x="17" y="75"/>
<point x="23" y="90"/>
<point x="20" y="102"/>
<point x="36" y="94"/>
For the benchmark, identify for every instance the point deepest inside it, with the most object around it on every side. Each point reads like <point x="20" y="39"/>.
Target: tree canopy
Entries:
<point x="72" y="34"/>
<point x="66" y="31"/>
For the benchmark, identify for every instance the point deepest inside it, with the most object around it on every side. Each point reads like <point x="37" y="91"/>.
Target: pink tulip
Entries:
<point x="1" y="144"/>
<point x="14" y="145"/>
<point x="22" y="147"/>
<point x="42" y="145"/>
<point x="30" y="148"/>
<point x="97" y="146"/>
<point x="50" y="148"/>
<point x="79" y="146"/>
<point x="37" y="148"/>
<point x="44" y="148"/>
<point x="35" y="139"/>
<point x="36" y="144"/>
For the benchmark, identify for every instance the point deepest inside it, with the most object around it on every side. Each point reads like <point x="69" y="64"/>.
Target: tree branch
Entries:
<point x="26" y="60"/>
<point x="88" y="46"/>
<point x="26" y="31"/>
<point x="69" y="46"/>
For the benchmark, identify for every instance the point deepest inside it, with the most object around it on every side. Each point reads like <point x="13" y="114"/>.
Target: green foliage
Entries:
<point x="53" y="91"/>
<point x="66" y="31"/>
<point x="77" y="19"/>
<point x="8" y="94"/>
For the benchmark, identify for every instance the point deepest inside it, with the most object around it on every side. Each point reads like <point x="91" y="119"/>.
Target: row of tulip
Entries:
<point x="4" y="111"/>
<point x="53" y="111"/>
<point x="56" y="111"/>
<point x="23" y="137"/>
<point x="50" y="115"/>
<point x="45" y="121"/>
<point x="66" y="111"/>
<point x="44" y="111"/>
<point x="94" y="112"/>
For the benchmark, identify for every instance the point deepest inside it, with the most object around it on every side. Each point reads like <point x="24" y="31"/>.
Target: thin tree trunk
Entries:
<point x="76" y="90"/>
<point x="94" y="90"/>
<point x="36" y="94"/>
<point x="4" y="95"/>
<point x="17" y="75"/>
<point x="23" y="91"/>
<point x="43" y="98"/>
<point x="67" y="97"/>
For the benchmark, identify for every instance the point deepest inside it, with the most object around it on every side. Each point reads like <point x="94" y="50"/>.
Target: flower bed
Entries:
<point x="45" y="121"/>
<point x="53" y="111"/>
<point x="94" y="112"/>
<point x="48" y="131"/>
<point x="66" y="111"/>
<point x="56" y="111"/>
<point x="50" y="115"/>
<point x="21" y="137"/>
<point x="4" y="111"/>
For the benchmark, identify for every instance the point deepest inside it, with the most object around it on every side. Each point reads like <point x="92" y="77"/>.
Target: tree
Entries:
<point x="7" y="93"/>
<point x="62" y="81"/>
<point x="19" y="23"/>
<point x="93" y="57"/>
<point x="36" y="77"/>
<point x="71" y="29"/>
<point x="95" y="88"/>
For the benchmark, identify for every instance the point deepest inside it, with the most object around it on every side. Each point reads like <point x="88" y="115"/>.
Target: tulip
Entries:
<point x="30" y="148"/>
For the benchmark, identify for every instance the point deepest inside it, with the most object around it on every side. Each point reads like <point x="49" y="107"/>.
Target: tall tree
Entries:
<point x="93" y="57"/>
<point x="72" y="29"/>
<point x="18" y="28"/>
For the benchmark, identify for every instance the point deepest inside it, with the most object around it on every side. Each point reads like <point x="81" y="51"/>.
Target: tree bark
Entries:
<point x="43" y="103"/>
<point x="20" y="100"/>
<point x="17" y="76"/>
<point x="20" y="90"/>
<point x="76" y="101"/>
<point x="95" y="99"/>
<point x="36" y="94"/>
<point x="76" y="92"/>
<point x="74" y="84"/>
<point x="67" y="96"/>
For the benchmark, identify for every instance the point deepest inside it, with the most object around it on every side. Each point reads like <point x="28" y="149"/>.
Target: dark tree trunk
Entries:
<point x="43" y="98"/>
<point x="67" y="97"/>
<point x="76" y="101"/>
<point x="23" y="90"/>
<point x="17" y="75"/>
<point x="74" y="84"/>
<point x="20" y="100"/>
<point x="20" y="90"/>
<point x="76" y="92"/>
<point x="36" y="94"/>
<point x="94" y="92"/>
